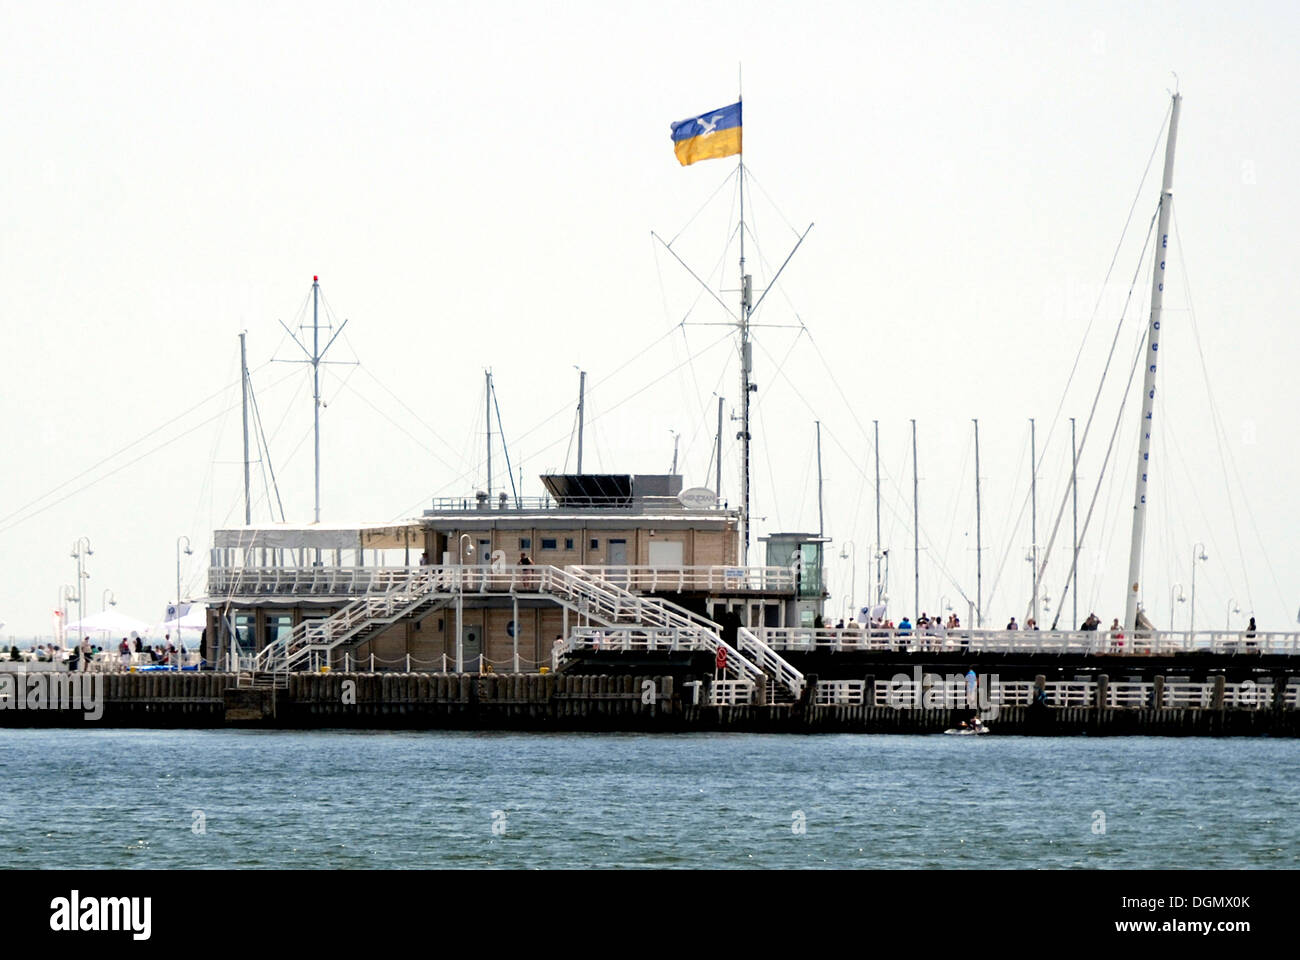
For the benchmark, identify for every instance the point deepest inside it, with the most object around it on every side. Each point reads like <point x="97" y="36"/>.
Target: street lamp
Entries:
<point x="462" y="549"/>
<point x="1232" y="608"/>
<point x="1177" y="588"/>
<point x="1198" y="553"/>
<point x="107" y="602"/>
<point x="180" y="642"/>
<point x="79" y="553"/>
<point x="850" y="550"/>
<point x="66" y="595"/>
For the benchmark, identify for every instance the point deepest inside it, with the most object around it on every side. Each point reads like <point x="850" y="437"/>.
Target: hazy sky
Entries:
<point x="476" y="185"/>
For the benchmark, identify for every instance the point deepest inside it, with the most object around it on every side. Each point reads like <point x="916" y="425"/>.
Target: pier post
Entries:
<point x="1158" y="693"/>
<point x="1103" y="690"/>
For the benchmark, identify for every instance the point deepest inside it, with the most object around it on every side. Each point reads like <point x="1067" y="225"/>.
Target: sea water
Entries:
<point x="344" y="799"/>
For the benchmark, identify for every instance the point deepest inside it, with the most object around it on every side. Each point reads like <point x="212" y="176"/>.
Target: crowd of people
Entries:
<point x="80" y="656"/>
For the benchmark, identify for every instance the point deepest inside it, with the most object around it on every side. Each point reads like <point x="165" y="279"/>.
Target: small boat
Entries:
<point x="965" y="731"/>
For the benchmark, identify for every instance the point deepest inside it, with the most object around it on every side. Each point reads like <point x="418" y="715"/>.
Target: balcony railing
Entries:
<point x="338" y="582"/>
<point x="1159" y="643"/>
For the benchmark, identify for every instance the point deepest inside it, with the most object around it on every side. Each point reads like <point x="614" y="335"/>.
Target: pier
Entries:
<point x="667" y="702"/>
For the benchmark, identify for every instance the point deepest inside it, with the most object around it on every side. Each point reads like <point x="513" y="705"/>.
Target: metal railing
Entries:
<point x="842" y="692"/>
<point x="1246" y="695"/>
<point x="770" y="662"/>
<point x="326" y="581"/>
<point x="1159" y="643"/>
<point x="731" y="693"/>
<point x="696" y="579"/>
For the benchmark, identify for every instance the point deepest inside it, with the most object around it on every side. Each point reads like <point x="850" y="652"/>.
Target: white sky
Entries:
<point x="476" y="184"/>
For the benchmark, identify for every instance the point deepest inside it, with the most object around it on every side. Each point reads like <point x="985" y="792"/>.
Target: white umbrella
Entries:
<point x="109" y="621"/>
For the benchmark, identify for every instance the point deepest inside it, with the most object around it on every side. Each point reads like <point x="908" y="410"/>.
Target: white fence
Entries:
<point x="945" y="693"/>
<point x="1162" y="643"/>
<point x="351" y="582"/>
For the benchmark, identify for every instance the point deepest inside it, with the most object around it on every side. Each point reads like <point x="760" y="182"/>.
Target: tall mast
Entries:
<point x="1033" y="513"/>
<point x="1149" y="378"/>
<point x="979" y="544"/>
<point x="821" y="521"/>
<point x="243" y="391"/>
<point x="916" y="526"/>
<point x="1074" y="489"/>
<point x="746" y="367"/>
<point x="487" y="407"/>
<point x="582" y="396"/>
<point x="717" y="487"/>
<point x="314" y="356"/>
<point x="315" y="379"/>
<point x="880" y="592"/>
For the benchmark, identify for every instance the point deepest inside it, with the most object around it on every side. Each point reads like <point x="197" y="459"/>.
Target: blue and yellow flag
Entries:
<point x="710" y="135"/>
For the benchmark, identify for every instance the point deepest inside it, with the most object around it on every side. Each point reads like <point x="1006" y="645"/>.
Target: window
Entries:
<point x="595" y="544"/>
<point x="568" y="543"/>
<point x="548" y="543"/>
<point x="525" y="543"/>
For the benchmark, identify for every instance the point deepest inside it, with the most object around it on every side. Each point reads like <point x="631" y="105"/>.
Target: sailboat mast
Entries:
<point x="1149" y="377"/>
<point x="243" y="391"/>
<point x="916" y="526"/>
<point x="1033" y="512"/>
<point x="821" y="517"/>
<point x="979" y="545"/>
<point x="717" y="464"/>
<point x="487" y="409"/>
<point x="880" y="591"/>
<point x="582" y="397"/>
<point x="315" y="377"/>
<point x="1074" y="490"/>
<point x="746" y="367"/>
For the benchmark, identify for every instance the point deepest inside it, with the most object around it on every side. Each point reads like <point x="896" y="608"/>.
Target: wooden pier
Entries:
<point x="650" y="703"/>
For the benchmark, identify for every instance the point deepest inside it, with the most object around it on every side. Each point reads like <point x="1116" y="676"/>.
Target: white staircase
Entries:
<point x="309" y="644"/>
<point x="624" y="613"/>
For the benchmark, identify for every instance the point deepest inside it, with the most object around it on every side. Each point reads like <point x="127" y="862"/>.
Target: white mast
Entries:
<point x="1033" y="536"/>
<point x="243" y="384"/>
<point x="314" y="357"/>
<point x="1149" y="378"/>
<point x="979" y="544"/>
<point x="746" y="367"/>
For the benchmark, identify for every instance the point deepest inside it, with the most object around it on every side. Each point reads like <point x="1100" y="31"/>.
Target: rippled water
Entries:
<point x="122" y="798"/>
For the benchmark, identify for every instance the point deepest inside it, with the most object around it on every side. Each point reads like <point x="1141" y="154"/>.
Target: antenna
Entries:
<point x="314" y="357"/>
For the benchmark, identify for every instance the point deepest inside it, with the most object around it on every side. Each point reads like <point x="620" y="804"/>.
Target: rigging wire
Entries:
<point x="1219" y="438"/>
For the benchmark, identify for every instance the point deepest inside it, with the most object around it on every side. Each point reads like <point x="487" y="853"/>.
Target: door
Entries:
<point x="617" y="561"/>
<point x="472" y="646"/>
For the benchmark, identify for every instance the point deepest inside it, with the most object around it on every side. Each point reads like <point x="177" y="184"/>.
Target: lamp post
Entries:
<point x="107" y="602"/>
<point x="79" y="553"/>
<point x="66" y="595"/>
<point x="462" y="548"/>
<point x="180" y="642"/>
<point x="1175" y="596"/>
<point x="1232" y="608"/>
<point x="850" y="550"/>
<point x="1198" y="553"/>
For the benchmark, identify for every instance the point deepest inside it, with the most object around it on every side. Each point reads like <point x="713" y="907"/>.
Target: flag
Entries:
<point x="175" y="612"/>
<point x="710" y="135"/>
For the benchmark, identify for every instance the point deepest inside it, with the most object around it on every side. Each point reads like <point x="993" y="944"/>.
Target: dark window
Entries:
<point x="595" y="544"/>
<point x="568" y="543"/>
<point x="525" y="543"/>
<point x="548" y="543"/>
